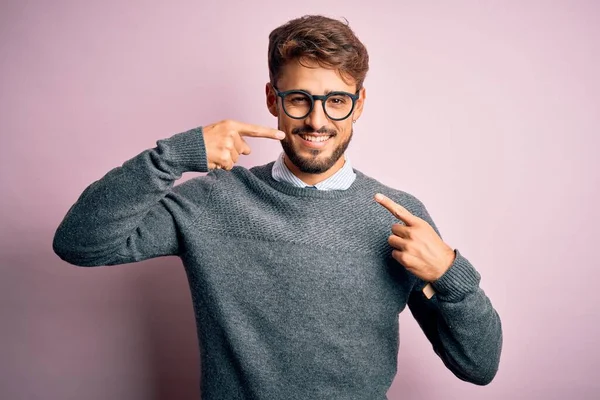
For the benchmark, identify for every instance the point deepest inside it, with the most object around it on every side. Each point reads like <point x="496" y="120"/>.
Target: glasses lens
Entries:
<point x="297" y="104"/>
<point x="338" y="106"/>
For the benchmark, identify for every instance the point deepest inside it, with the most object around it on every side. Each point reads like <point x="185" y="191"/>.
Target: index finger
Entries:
<point x="396" y="209"/>
<point x="259" y="131"/>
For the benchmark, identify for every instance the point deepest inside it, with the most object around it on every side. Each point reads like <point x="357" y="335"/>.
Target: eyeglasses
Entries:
<point x="298" y="104"/>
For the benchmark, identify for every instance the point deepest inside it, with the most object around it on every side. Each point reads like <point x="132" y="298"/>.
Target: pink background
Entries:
<point x="486" y="111"/>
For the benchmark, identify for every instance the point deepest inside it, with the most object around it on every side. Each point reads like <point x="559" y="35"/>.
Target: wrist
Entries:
<point x="458" y="280"/>
<point x="444" y="266"/>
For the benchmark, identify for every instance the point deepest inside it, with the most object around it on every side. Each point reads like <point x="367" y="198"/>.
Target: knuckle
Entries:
<point x="225" y="156"/>
<point x="397" y="229"/>
<point x="413" y="248"/>
<point x="231" y="133"/>
<point x="400" y="257"/>
<point x="228" y="142"/>
<point x="227" y="124"/>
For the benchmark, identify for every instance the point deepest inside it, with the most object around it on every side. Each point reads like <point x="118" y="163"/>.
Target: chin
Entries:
<point x="317" y="162"/>
<point x="311" y="166"/>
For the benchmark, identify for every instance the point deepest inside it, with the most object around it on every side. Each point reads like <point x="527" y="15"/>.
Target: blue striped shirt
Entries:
<point x="341" y="180"/>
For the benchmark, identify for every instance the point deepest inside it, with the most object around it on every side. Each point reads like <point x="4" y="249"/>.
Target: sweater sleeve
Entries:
<point x="459" y="320"/>
<point x="135" y="212"/>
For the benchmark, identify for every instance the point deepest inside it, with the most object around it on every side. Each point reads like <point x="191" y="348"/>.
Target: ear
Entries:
<point x="360" y="103"/>
<point x="271" y="98"/>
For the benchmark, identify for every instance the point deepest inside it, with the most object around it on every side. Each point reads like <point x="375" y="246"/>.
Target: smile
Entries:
<point x="315" y="139"/>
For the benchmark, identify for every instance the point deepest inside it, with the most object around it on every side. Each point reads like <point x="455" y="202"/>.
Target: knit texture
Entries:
<point x="295" y="292"/>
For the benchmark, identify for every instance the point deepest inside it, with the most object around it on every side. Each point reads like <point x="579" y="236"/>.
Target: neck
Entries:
<point x="313" y="179"/>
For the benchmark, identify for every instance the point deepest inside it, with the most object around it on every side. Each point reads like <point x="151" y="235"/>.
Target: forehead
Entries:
<point x="312" y="78"/>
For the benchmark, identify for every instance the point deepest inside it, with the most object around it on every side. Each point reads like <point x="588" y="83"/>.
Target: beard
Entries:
<point x="314" y="164"/>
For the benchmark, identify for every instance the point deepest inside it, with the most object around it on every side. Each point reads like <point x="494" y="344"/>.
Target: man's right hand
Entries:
<point x="224" y="141"/>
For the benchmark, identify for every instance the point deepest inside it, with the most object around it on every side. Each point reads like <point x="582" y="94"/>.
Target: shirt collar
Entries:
<point x="341" y="180"/>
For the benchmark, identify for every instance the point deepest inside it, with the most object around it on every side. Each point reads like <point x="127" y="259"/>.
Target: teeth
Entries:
<point x="315" y="138"/>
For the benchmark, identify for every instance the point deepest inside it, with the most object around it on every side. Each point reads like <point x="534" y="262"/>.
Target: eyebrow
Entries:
<point x="326" y="92"/>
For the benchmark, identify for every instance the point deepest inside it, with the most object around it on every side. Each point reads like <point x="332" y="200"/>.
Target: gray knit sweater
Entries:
<point x="295" y="292"/>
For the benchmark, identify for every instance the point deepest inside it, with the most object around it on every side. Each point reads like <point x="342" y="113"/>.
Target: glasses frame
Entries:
<point x="315" y="97"/>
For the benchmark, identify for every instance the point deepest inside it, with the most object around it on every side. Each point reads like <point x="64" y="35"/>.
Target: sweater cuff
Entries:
<point x="459" y="280"/>
<point x="187" y="150"/>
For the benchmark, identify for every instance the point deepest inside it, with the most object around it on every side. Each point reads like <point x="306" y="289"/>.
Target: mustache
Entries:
<point x="307" y="129"/>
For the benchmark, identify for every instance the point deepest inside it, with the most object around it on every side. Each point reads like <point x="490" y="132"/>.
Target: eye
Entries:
<point x="338" y="100"/>
<point x="297" y="99"/>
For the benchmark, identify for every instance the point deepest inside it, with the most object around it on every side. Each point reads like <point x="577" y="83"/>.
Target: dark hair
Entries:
<point x="314" y="38"/>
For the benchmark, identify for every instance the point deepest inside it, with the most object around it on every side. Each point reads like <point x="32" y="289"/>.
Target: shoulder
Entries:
<point x="219" y="182"/>
<point x="197" y="187"/>
<point x="216" y="177"/>
<point x="402" y="197"/>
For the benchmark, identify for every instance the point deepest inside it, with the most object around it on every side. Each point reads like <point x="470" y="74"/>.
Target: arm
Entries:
<point x="134" y="212"/>
<point x="459" y="320"/>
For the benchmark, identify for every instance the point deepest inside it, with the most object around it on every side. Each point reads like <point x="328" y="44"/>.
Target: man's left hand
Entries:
<point x="416" y="244"/>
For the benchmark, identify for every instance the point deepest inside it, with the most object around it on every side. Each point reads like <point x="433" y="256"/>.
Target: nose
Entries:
<point x="317" y="117"/>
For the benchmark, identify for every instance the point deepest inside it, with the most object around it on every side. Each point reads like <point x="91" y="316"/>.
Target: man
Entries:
<point x="299" y="268"/>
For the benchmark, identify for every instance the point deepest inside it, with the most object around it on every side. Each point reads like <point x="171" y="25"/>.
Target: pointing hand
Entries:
<point x="416" y="244"/>
<point x="224" y="141"/>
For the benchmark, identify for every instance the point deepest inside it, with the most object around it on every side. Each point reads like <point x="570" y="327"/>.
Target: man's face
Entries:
<point x="304" y="145"/>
